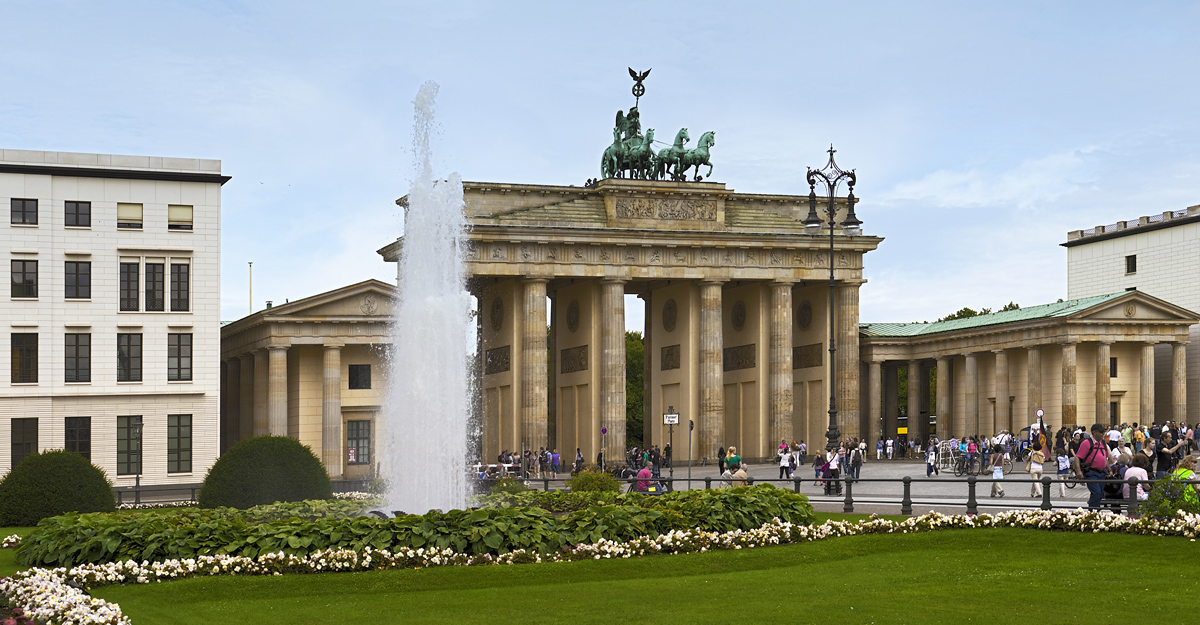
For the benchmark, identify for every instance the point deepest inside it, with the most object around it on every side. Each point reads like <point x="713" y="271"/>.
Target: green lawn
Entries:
<point x="994" y="575"/>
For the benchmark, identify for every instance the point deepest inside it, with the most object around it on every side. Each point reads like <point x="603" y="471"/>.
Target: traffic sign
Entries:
<point x="671" y="419"/>
<point x="604" y="430"/>
<point x="1040" y="413"/>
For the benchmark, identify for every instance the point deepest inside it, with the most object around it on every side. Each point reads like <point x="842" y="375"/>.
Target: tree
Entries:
<point x="634" y="385"/>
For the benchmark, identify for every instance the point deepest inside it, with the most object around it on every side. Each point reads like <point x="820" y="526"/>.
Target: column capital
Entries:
<point x="1150" y="343"/>
<point x="1069" y="341"/>
<point x="535" y="280"/>
<point x="1002" y="350"/>
<point x="714" y="281"/>
<point x="278" y="347"/>
<point x="1180" y="343"/>
<point x="783" y="282"/>
<point x="613" y="280"/>
<point x="329" y="346"/>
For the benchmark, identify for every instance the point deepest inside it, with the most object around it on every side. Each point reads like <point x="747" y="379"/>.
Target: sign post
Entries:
<point x="671" y="419"/>
<point x="603" y="448"/>
<point x="691" y="426"/>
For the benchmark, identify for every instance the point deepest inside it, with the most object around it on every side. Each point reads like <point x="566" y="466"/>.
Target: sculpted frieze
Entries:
<point x="666" y="208"/>
<point x="574" y="359"/>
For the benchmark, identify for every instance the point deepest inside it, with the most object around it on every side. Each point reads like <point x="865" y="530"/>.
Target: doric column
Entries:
<point x="277" y="391"/>
<point x="1179" y="382"/>
<point x="612" y="365"/>
<point x="780" y="387"/>
<point x="914" y="399"/>
<point x="849" y="423"/>
<point x="971" y="395"/>
<point x="245" y="396"/>
<point x="1069" y="408"/>
<point x="1103" y="382"/>
<point x="552" y="432"/>
<point x="1146" y="377"/>
<point x="1003" y="420"/>
<point x="331" y="410"/>
<point x="891" y="398"/>
<point x="874" y="401"/>
<point x="712" y="382"/>
<point x="533" y="365"/>
<point x="647" y="376"/>
<point x="943" y="398"/>
<point x="261" y="375"/>
<point x="1033" y="382"/>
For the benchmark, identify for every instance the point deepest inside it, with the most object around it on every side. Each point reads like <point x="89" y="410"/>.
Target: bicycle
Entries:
<point x="966" y="466"/>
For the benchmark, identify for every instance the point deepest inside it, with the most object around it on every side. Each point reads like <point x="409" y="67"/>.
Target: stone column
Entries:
<point x="533" y="366"/>
<point x="1147" y="384"/>
<point x="780" y="388"/>
<point x="1069" y="408"/>
<point x="943" y="398"/>
<point x="552" y="376"/>
<point x="1003" y="420"/>
<point x="1033" y="382"/>
<point x="245" y="396"/>
<point x="1179" y="382"/>
<point x="612" y="366"/>
<point x="891" y="398"/>
<point x="260" y="392"/>
<point x="914" y="399"/>
<point x="874" y="402"/>
<point x="849" y="423"/>
<point x="277" y="406"/>
<point x="647" y="377"/>
<point x="971" y="395"/>
<point x="331" y="411"/>
<point x="1103" y="381"/>
<point x="712" y="379"/>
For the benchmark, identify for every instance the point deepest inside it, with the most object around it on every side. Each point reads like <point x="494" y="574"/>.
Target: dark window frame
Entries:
<point x="24" y="278"/>
<point x="129" y="444"/>
<point x="129" y="287"/>
<point x="181" y="283"/>
<point x="77" y="214"/>
<point x="77" y="357"/>
<point x="78" y="435"/>
<point x="1112" y="367"/>
<point x="179" y="357"/>
<point x="156" y="287"/>
<point x="179" y="443"/>
<point x="358" y="377"/>
<point x="24" y="436"/>
<point x="1131" y="264"/>
<point x="21" y="210"/>
<point x="24" y="357"/>
<point x="77" y="279"/>
<point x="129" y="357"/>
<point x="358" y="438"/>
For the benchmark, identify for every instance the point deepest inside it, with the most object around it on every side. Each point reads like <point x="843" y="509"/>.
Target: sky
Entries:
<point x="981" y="133"/>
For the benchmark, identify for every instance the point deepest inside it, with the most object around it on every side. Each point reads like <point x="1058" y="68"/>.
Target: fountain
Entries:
<point x="425" y="418"/>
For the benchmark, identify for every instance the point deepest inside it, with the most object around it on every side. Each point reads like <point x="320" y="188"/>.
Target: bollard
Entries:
<point x="749" y="481"/>
<point x="797" y="485"/>
<point x="972" y="505"/>
<point x="1133" y="500"/>
<point x="848" y="504"/>
<point x="193" y="494"/>
<point x="906" y="503"/>
<point x="707" y="483"/>
<point x="120" y="498"/>
<point x="545" y="484"/>
<point x="1045" y="493"/>
<point x="137" y="490"/>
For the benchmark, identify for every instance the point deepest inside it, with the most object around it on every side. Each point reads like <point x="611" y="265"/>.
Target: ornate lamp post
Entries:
<point x="831" y="176"/>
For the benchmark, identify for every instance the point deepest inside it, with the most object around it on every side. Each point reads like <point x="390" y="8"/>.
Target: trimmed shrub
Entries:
<point x="1169" y="496"/>
<point x="50" y="484"/>
<point x="592" y="480"/>
<point x="264" y="470"/>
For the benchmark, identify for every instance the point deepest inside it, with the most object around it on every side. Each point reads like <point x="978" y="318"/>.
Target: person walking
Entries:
<point x="931" y="467"/>
<point x="803" y="452"/>
<point x="1093" y="462"/>
<point x="1035" y="469"/>
<point x="785" y="461"/>
<point x="879" y="449"/>
<point x="1063" y="462"/>
<point x="891" y="449"/>
<point x="721" y="460"/>
<point x="856" y="462"/>
<point x="997" y="471"/>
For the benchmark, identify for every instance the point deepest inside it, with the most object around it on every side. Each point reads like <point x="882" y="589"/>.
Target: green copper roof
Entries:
<point x="1045" y="311"/>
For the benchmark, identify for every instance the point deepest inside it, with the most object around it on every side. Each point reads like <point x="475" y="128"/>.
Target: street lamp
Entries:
<point x="136" y="435"/>
<point x="831" y="176"/>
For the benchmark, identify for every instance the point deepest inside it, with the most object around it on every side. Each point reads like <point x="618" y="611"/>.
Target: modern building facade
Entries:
<point x="1154" y="254"/>
<point x="113" y="314"/>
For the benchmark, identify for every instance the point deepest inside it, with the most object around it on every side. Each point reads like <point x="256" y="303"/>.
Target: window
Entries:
<point x="129" y="357"/>
<point x="24" y="211"/>
<point x="179" y="357"/>
<point x="155" y="289"/>
<point x="78" y="358"/>
<point x="129" y="445"/>
<point x="1112" y="367"/>
<point x="24" y="278"/>
<point x="1131" y="264"/>
<point x="129" y="286"/>
<point x="179" y="287"/>
<point x="358" y="442"/>
<point x="179" y="443"/>
<point x="179" y="217"/>
<point x="24" y="439"/>
<point x="79" y="214"/>
<point x="24" y="358"/>
<point x="1114" y="409"/>
<point x="360" y="377"/>
<point x="79" y="436"/>
<point x="79" y="280"/>
<point x="129" y="216"/>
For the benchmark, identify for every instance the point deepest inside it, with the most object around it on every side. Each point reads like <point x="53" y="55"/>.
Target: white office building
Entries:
<point x="112" y="319"/>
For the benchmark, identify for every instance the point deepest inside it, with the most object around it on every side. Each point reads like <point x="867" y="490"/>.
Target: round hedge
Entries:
<point x="53" y="483"/>
<point x="265" y="470"/>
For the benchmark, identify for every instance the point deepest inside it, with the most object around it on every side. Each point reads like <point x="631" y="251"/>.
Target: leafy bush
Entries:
<point x="50" y="484"/>
<point x="93" y="538"/>
<point x="592" y="480"/>
<point x="1168" y="496"/>
<point x="264" y="470"/>
<point x="505" y="485"/>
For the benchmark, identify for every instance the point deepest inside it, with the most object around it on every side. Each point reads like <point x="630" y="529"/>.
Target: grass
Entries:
<point x="998" y="575"/>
